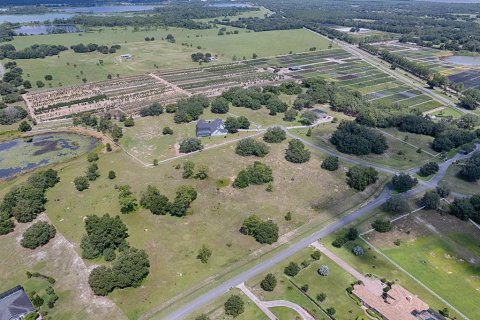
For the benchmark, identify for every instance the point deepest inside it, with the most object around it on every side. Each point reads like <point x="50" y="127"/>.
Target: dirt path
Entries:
<point x="60" y="260"/>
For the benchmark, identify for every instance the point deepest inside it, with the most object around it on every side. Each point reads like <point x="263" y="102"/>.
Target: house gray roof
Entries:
<point x="206" y="128"/>
<point x="14" y="303"/>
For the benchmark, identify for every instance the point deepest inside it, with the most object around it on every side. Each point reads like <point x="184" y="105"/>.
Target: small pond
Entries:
<point x="23" y="18"/>
<point x="464" y="60"/>
<point x="46" y="29"/>
<point x="232" y="4"/>
<point x="17" y="156"/>
<point x="109" y="9"/>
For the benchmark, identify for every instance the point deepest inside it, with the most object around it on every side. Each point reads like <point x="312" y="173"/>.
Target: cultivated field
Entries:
<point x="435" y="60"/>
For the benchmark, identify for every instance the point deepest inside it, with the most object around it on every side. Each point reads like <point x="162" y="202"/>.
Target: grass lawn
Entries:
<point x="333" y="285"/>
<point x="145" y="55"/>
<point x="459" y="185"/>
<point x="216" y="217"/>
<point x="216" y="310"/>
<point x="285" y="290"/>
<point x="284" y="313"/>
<point x="433" y="262"/>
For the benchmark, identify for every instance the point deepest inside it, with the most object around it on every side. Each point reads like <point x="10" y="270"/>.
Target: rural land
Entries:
<point x="219" y="160"/>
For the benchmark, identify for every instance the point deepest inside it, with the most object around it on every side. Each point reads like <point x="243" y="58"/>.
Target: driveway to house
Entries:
<point x="264" y="305"/>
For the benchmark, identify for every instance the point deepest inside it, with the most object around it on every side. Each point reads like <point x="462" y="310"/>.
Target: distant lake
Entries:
<point x="232" y="4"/>
<point x="24" y="18"/>
<point x="464" y="60"/>
<point x="46" y="29"/>
<point x="108" y="9"/>
<point x="18" y="156"/>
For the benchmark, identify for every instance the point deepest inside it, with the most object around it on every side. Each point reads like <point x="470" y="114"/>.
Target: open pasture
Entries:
<point x="70" y="67"/>
<point x="217" y="214"/>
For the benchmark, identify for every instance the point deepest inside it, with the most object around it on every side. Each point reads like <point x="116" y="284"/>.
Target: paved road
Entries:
<point x="262" y="266"/>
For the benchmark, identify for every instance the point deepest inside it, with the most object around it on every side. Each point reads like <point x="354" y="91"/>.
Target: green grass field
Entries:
<point x="433" y="262"/>
<point x="216" y="215"/>
<point x="459" y="185"/>
<point x="160" y="53"/>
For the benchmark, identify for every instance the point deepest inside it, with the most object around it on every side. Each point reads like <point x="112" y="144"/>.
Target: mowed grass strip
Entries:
<point x="432" y="261"/>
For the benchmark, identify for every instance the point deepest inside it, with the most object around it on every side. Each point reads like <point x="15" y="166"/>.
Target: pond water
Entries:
<point x="24" y="18"/>
<point x="46" y="29"/>
<point x="108" y="9"/>
<point x="464" y="60"/>
<point x="17" y="156"/>
<point x="232" y="4"/>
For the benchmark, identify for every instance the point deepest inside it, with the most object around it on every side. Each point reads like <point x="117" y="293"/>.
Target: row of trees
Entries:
<point x="91" y="47"/>
<point x="36" y="51"/>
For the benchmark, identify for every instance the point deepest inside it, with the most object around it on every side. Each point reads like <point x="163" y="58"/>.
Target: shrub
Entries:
<point x="330" y="163"/>
<point x="109" y="254"/>
<point x="167" y="131"/>
<point x="24" y="126"/>
<point x="111" y="175"/>
<point x="204" y="254"/>
<point x="331" y="311"/>
<point x="188" y="169"/>
<point x="397" y="204"/>
<point x="352" y="234"/>
<point x="220" y="105"/>
<point x="269" y="283"/>
<point x="304" y="288"/>
<point x="37" y="235"/>
<point x="6" y="224"/>
<point x="296" y="152"/>
<point x="430" y="200"/>
<point x="190" y="145"/>
<point x="323" y="271"/>
<point x="403" y="182"/>
<point x="380" y="225"/>
<point x="321" y="296"/>
<point x="358" y="251"/>
<point x="292" y="269"/>
<point x="92" y="157"/>
<point x="250" y="146"/>
<point x="442" y="191"/>
<point x="428" y="169"/>
<point x="257" y="174"/>
<point x="262" y="231"/>
<point x="155" y="109"/>
<point x="129" y="122"/>
<point x="234" y="306"/>
<point x="274" y="135"/>
<point x="316" y="255"/>
<point x="81" y="183"/>
<point x="152" y="200"/>
<point x="359" y="177"/>
<point x="339" y="242"/>
<point x="288" y="216"/>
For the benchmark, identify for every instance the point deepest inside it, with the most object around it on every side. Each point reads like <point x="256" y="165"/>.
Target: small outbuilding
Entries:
<point x="211" y="128"/>
<point x="15" y="304"/>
